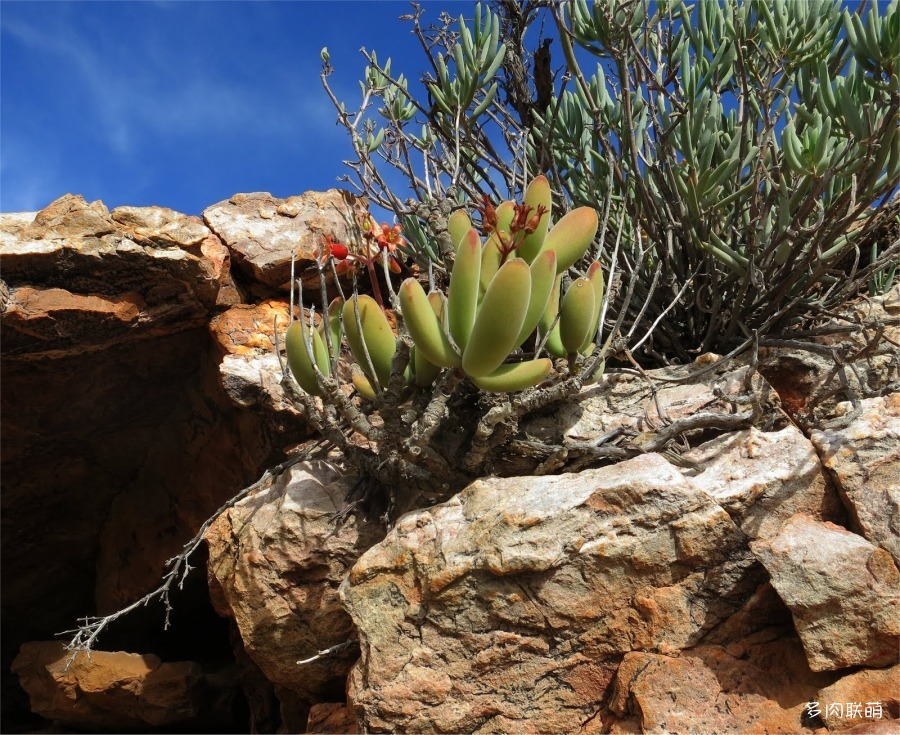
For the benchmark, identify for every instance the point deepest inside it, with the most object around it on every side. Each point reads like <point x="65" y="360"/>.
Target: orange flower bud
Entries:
<point x="488" y="215"/>
<point x="535" y="220"/>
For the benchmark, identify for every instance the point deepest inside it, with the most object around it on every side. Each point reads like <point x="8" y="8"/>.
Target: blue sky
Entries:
<point x="183" y="104"/>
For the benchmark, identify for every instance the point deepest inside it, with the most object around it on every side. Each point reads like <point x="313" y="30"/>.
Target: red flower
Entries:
<point x="390" y="238"/>
<point x="340" y="252"/>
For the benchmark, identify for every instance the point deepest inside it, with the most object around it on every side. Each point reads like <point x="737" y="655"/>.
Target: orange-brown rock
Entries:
<point x="866" y="697"/>
<point x="108" y="690"/>
<point x="78" y="282"/>
<point x="249" y="329"/>
<point x="71" y="216"/>
<point x="249" y="371"/>
<point x="119" y="439"/>
<point x="704" y="690"/>
<point x="509" y="607"/>
<point x="841" y="590"/>
<point x="161" y="227"/>
<point x="331" y="718"/>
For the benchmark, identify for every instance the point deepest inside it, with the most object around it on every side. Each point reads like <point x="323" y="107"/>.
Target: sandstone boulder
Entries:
<point x="262" y="231"/>
<point x="331" y="718"/>
<point x="108" y="690"/>
<point x="509" y="607"/>
<point x="841" y="590"/>
<point x="118" y="439"/>
<point x="864" y="460"/>
<point x="763" y="478"/>
<point x="250" y="372"/>
<point x="79" y="283"/>
<point x="276" y="561"/>
<point x="161" y="227"/>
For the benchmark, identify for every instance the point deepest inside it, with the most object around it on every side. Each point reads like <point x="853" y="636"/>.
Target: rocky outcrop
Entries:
<point x="865" y="697"/>
<point x="762" y="478"/>
<point x="708" y="690"/>
<point x="249" y="371"/>
<point x="547" y="580"/>
<point x="120" y="435"/>
<point x="587" y="584"/>
<point x="331" y="718"/>
<point x="728" y="589"/>
<point x="79" y="282"/>
<point x="841" y="590"/>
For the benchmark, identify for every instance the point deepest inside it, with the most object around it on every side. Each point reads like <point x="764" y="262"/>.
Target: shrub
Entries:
<point x="738" y="153"/>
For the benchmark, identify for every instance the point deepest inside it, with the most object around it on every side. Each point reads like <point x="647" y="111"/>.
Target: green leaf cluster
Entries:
<point x="502" y="291"/>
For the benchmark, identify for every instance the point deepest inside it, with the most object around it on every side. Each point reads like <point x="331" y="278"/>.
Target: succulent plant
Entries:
<point x="370" y="338"/>
<point x="306" y="348"/>
<point x="482" y="321"/>
<point x="502" y="289"/>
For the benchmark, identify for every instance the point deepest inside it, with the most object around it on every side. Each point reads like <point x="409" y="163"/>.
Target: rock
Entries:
<point x="867" y="696"/>
<point x="108" y="690"/>
<point x="805" y="380"/>
<point x="331" y="718"/>
<point x="71" y="216"/>
<point x="78" y="283"/>
<point x="763" y="478"/>
<point x="509" y="607"/>
<point x="864" y="460"/>
<point x="625" y="401"/>
<point x="293" y="711"/>
<point x="891" y="300"/>
<point x="116" y="456"/>
<point x="161" y="227"/>
<point x="841" y="590"/>
<point x="248" y="329"/>
<point x="276" y="560"/>
<point x="707" y="690"/>
<point x="250" y="371"/>
<point x="262" y="231"/>
<point x="763" y="618"/>
<point x="118" y="439"/>
<point x="880" y="727"/>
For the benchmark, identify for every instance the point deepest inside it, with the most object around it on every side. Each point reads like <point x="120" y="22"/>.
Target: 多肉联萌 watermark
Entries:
<point x="846" y="710"/>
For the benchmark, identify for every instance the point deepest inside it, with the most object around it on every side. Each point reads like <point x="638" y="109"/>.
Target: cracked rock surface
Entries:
<point x="511" y="606"/>
<point x="276" y="560"/>
<point x="864" y="460"/>
<point x="842" y="592"/>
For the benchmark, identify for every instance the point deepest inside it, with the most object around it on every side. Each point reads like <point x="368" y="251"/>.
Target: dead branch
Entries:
<point x="90" y="628"/>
